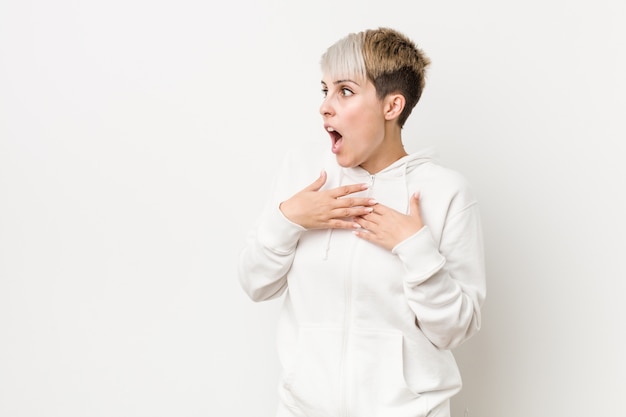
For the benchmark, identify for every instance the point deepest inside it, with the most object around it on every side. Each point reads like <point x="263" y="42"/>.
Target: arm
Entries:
<point x="270" y="249"/>
<point x="445" y="285"/>
<point x="267" y="256"/>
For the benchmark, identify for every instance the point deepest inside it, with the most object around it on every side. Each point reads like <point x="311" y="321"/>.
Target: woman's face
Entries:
<point x="354" y="118"/>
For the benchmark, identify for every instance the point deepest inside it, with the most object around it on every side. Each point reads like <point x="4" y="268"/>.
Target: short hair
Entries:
<point x="388" y="58"/>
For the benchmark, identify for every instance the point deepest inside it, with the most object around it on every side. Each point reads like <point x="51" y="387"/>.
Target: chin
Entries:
<point x="344" y="163"/>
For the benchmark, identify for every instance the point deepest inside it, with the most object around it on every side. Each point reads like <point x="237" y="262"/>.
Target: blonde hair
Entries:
<point x="345" y="58"/>
<point x="388" y="58"/>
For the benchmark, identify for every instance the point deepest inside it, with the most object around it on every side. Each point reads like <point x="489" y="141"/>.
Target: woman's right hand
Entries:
<point x="328" y="209"/>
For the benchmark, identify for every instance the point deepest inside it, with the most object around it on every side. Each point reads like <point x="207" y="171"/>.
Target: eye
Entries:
<point x="346" y="92"/>
<point x="324" y="92"/>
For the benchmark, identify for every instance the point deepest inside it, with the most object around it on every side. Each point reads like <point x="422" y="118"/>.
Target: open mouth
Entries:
<point x="335" y="137"/>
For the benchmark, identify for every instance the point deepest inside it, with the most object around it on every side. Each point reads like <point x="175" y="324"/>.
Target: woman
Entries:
<point x="379" y="260"/>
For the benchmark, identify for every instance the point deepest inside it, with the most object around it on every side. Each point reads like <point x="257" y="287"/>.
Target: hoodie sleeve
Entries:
<point x="270" y="248"/>
<point x="445" y="286"/>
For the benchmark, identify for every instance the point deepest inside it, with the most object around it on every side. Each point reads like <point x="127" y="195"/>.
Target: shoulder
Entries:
<point x="443" y="183"/>
<point x="445" y="176"/>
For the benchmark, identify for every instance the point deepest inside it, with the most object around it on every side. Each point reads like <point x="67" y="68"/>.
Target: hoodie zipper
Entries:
<point x="343" y="376"/>
<point x="347" y="324"/>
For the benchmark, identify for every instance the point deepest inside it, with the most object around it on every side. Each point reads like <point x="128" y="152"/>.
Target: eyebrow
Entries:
<point x="343" y="81"/>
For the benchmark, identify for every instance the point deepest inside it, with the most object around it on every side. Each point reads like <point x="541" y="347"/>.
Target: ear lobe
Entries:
<point x="395" y="105"/>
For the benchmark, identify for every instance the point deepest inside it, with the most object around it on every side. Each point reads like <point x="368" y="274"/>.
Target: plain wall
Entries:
<point x="137" y="140"/>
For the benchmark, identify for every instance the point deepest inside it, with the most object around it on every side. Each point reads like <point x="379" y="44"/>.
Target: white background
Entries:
<point x="137" y="139"/>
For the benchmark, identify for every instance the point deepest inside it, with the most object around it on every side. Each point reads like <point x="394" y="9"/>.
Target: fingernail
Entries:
<point x="373" y="202"/>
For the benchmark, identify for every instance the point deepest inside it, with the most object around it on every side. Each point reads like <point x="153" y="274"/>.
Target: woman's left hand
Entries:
<point x="387" y="227"/>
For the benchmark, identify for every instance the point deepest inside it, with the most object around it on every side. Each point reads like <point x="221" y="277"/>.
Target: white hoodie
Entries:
<point x="363" y="331"/>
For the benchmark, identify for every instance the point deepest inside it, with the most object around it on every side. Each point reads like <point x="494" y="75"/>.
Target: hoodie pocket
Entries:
<point x="378" y="386"/>
<point x="311" y="381"/>
<point x="363" y="374"/>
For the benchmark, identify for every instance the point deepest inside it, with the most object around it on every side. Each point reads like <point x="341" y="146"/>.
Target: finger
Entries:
<point x="364" y="222"/>
<point x="355" y="202"/>
<point x="364" y="234"/>
<point x="380" y="209"/>
<point x="318" y="183"/>
<point x="343" y="224"/>
<point x="414" y="209"/>
<point x="347" y="189"/>
<point x="349" y="212"/>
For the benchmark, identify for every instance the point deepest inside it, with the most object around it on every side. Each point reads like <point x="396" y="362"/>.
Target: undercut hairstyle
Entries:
<point x="388" y="58"/>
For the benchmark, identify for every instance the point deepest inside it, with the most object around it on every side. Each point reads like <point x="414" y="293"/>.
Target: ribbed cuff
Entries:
<point x="420" y="256"/>
<point x="278" y="233"/>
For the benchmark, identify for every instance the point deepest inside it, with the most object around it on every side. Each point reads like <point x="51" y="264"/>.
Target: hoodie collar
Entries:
<point x="398" y="169"/>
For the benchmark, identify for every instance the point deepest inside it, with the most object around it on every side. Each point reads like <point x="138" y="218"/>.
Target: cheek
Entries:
<point x="363" y="121"/>
<point x="371" y="125"/>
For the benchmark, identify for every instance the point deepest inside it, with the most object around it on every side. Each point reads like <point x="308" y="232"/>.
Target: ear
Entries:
<point x="394" y="104"/>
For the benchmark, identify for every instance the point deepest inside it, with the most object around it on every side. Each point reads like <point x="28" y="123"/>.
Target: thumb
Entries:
<point x="318" y="183"/>
<point x="414" y="207"/>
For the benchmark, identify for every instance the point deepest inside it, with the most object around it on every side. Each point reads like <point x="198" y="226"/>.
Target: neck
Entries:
<point x="391" y="150"/>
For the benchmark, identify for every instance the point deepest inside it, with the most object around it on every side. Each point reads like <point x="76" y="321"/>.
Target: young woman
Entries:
<point x="379" y="260"/>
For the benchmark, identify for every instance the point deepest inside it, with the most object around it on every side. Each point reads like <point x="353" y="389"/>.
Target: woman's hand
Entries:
<point x="328" y="209"/>
<point x="387" y="227"/>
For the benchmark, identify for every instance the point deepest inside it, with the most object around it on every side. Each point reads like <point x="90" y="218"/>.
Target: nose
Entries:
<point x="325" y="108"/>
